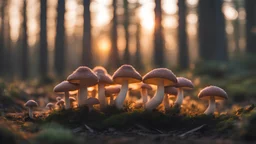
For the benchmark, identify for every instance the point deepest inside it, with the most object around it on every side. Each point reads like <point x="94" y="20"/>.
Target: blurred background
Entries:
<point x="41" y="38"/>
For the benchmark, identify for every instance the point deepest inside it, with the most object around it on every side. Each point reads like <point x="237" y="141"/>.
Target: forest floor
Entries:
<point x="233" y="122"/>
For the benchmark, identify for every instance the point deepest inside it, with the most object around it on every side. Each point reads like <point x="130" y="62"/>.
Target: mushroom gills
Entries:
<point x="211" y="108"/>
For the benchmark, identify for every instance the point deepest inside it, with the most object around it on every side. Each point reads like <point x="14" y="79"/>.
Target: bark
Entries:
<point x="126" y="56"/>
<point x="250" y="6"/>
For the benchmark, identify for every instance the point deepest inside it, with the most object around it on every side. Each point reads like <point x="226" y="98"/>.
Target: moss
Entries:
<point x="6" y="136"/>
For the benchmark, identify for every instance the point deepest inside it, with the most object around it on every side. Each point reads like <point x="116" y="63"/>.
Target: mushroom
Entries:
<point x="50" y="106"/>
<point x="169" y="90"/>
<point x="161" y="77"/>
<point x="65" y="87"/>
<point x="30" y="105"/>
<point x="85" y="77"/>
<point x="212" y="93"/>
<point x="104" y="79"/>
<point x="60" y="104"/>
<point x="58" y="98"/>
<point x="92" y="101"/>
<point x="125" y="75"/>
<point x="144" y="92"/>
<point x="111" y="91"/>
<point x="183" y="84"/>
<point x="72" y="100"/>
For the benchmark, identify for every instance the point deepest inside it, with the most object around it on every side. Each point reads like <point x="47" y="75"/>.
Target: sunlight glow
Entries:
<point x="230" y="12"/>
<point x="170" y="22"/>
<point x="192" y="18"/>
<point x="15" y="19"/>
<point x="170" y="6"/>
<point x="104" y="45"/>
<point x="192" y="3"/>
<point x="146" y="16"/>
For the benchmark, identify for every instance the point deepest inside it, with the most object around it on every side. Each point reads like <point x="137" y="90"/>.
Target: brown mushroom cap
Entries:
<point x="146" y="86"/>
<point x="112" y="90"/>
<point x="85" y="74"/>
<point x="92" y="101"/>
<point x="184" y="83"/>
<point x="31" y="103"/>
<point x="99" y="69"/>
<point x="216" y="92"/>
<point x="157" y="74"/>
<point x="65" y="86"/>
<point x="61" y="102"/>
<point x="126" y="72"/>
<point x="170" y="90"/>
<point x="50" y="105"/>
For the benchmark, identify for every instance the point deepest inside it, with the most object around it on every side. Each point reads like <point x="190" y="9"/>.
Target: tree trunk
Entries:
<point x="138" y="59"/>
<point x="60" y="39"/>
<point x="126" y="56"/>
<point x="2" y="38"/>
<point x="24" y="51"/>
<point x="212" y="35"/>
<point x="114" y="60"/>
<point x="250" y="6"/>
<point x="183" y="47"/>
<point x="158" y="36"/>
<point x="43" y="57"/>
<point x="87" y="46"/>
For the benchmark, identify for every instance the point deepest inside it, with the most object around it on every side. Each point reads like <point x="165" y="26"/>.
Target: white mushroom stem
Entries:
<point x="30" y="113"/>
<point x="101" y="94"/>
<point x="82" y="95"/>
<point x="67" y="102"/>
<point x="158" y="97"/>
<point x="144" y="95"/>
<point x="211" y="108"/>
<point x="121" y="96"/>
<point x="111" y="101"/>
<point x="179" y="98"/>
<point x="166" y="101"/>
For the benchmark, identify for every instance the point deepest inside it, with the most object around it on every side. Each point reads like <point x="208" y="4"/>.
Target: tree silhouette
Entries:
<point x="138" y="60"/>
<point x="114" y="60"/>
<point x="212" y="35"/>
<point x="183" y="47"/>
<point x="250" y="6"/>
<point x="126" y="57"/>
<point x="59" y="61"/>
<point x="43" y="57"/>
<point x="158" y="36"/>
<point x="24" y="50"/>
<point x="2" y="37"/>
<point x="87" y="52"/>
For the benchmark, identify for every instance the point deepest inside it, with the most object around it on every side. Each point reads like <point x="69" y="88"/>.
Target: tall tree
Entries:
<point x="212" y="35"/>
<point x="43" y="57"/>
<point x="2" y="38"/>
<point x="24" y="50"/>
<point x="158" y="36"/>
<point x="138" y="60"/>
<point x="126" y="56"/>
<point x="60" y="39"/>
<point x="250" y="6"/>
<point x="183" y="47"/>
<point x="114" y="60"/>
<point x="87" y="52"/>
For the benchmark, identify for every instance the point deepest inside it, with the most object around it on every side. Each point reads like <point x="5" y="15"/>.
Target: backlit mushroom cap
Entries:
<point x="50" y="105"/>
<point x="72" y="99"/>
<point x="100" y="69"/>
<point x="216" y="92"/>
<point x="92" y="101"/>
<point x="65" y="86"/>
<point x="31" y="104"/>
<point x="126" y="72"/>
<point x="184" y="83"/>
<point x="170" y="90"/>
<point x="112" y="90"/>
<point x="61" y="102"/>
<point x="85" y="74"/>
<point x="103" y="75"/>
<point x="157" y="74"/>
<point x="146" y="86"/>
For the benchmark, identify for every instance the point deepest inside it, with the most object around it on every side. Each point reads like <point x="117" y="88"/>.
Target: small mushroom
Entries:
<point x="61" y="104"/>
<point x="58" y="98"/>
<point x="125" y="75"/>
<point x="111" y="91"/>
<point x="169" y="90"/>
<point x="30" y="105"/>
<point x="91" y="102"/>
<point x="161" y="77"/>
<point x="72" y="100"/>
<point x="144" y="92"/>
<point x="50" y="106"/>
<point x="65" y="87"/>
<point x="85" y="77"/>
<point x="212" y="93"/>
<point x="104" y="79"/>
<point x="183" y="84"/>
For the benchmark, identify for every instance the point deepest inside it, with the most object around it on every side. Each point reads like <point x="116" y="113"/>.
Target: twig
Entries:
<point x="191" y="131"/>
<point x="90" y="129"/>
<point x="143" y="128"/>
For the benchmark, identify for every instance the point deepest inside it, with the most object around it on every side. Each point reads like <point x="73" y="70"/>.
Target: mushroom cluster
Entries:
<point x="114" y="90"/>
